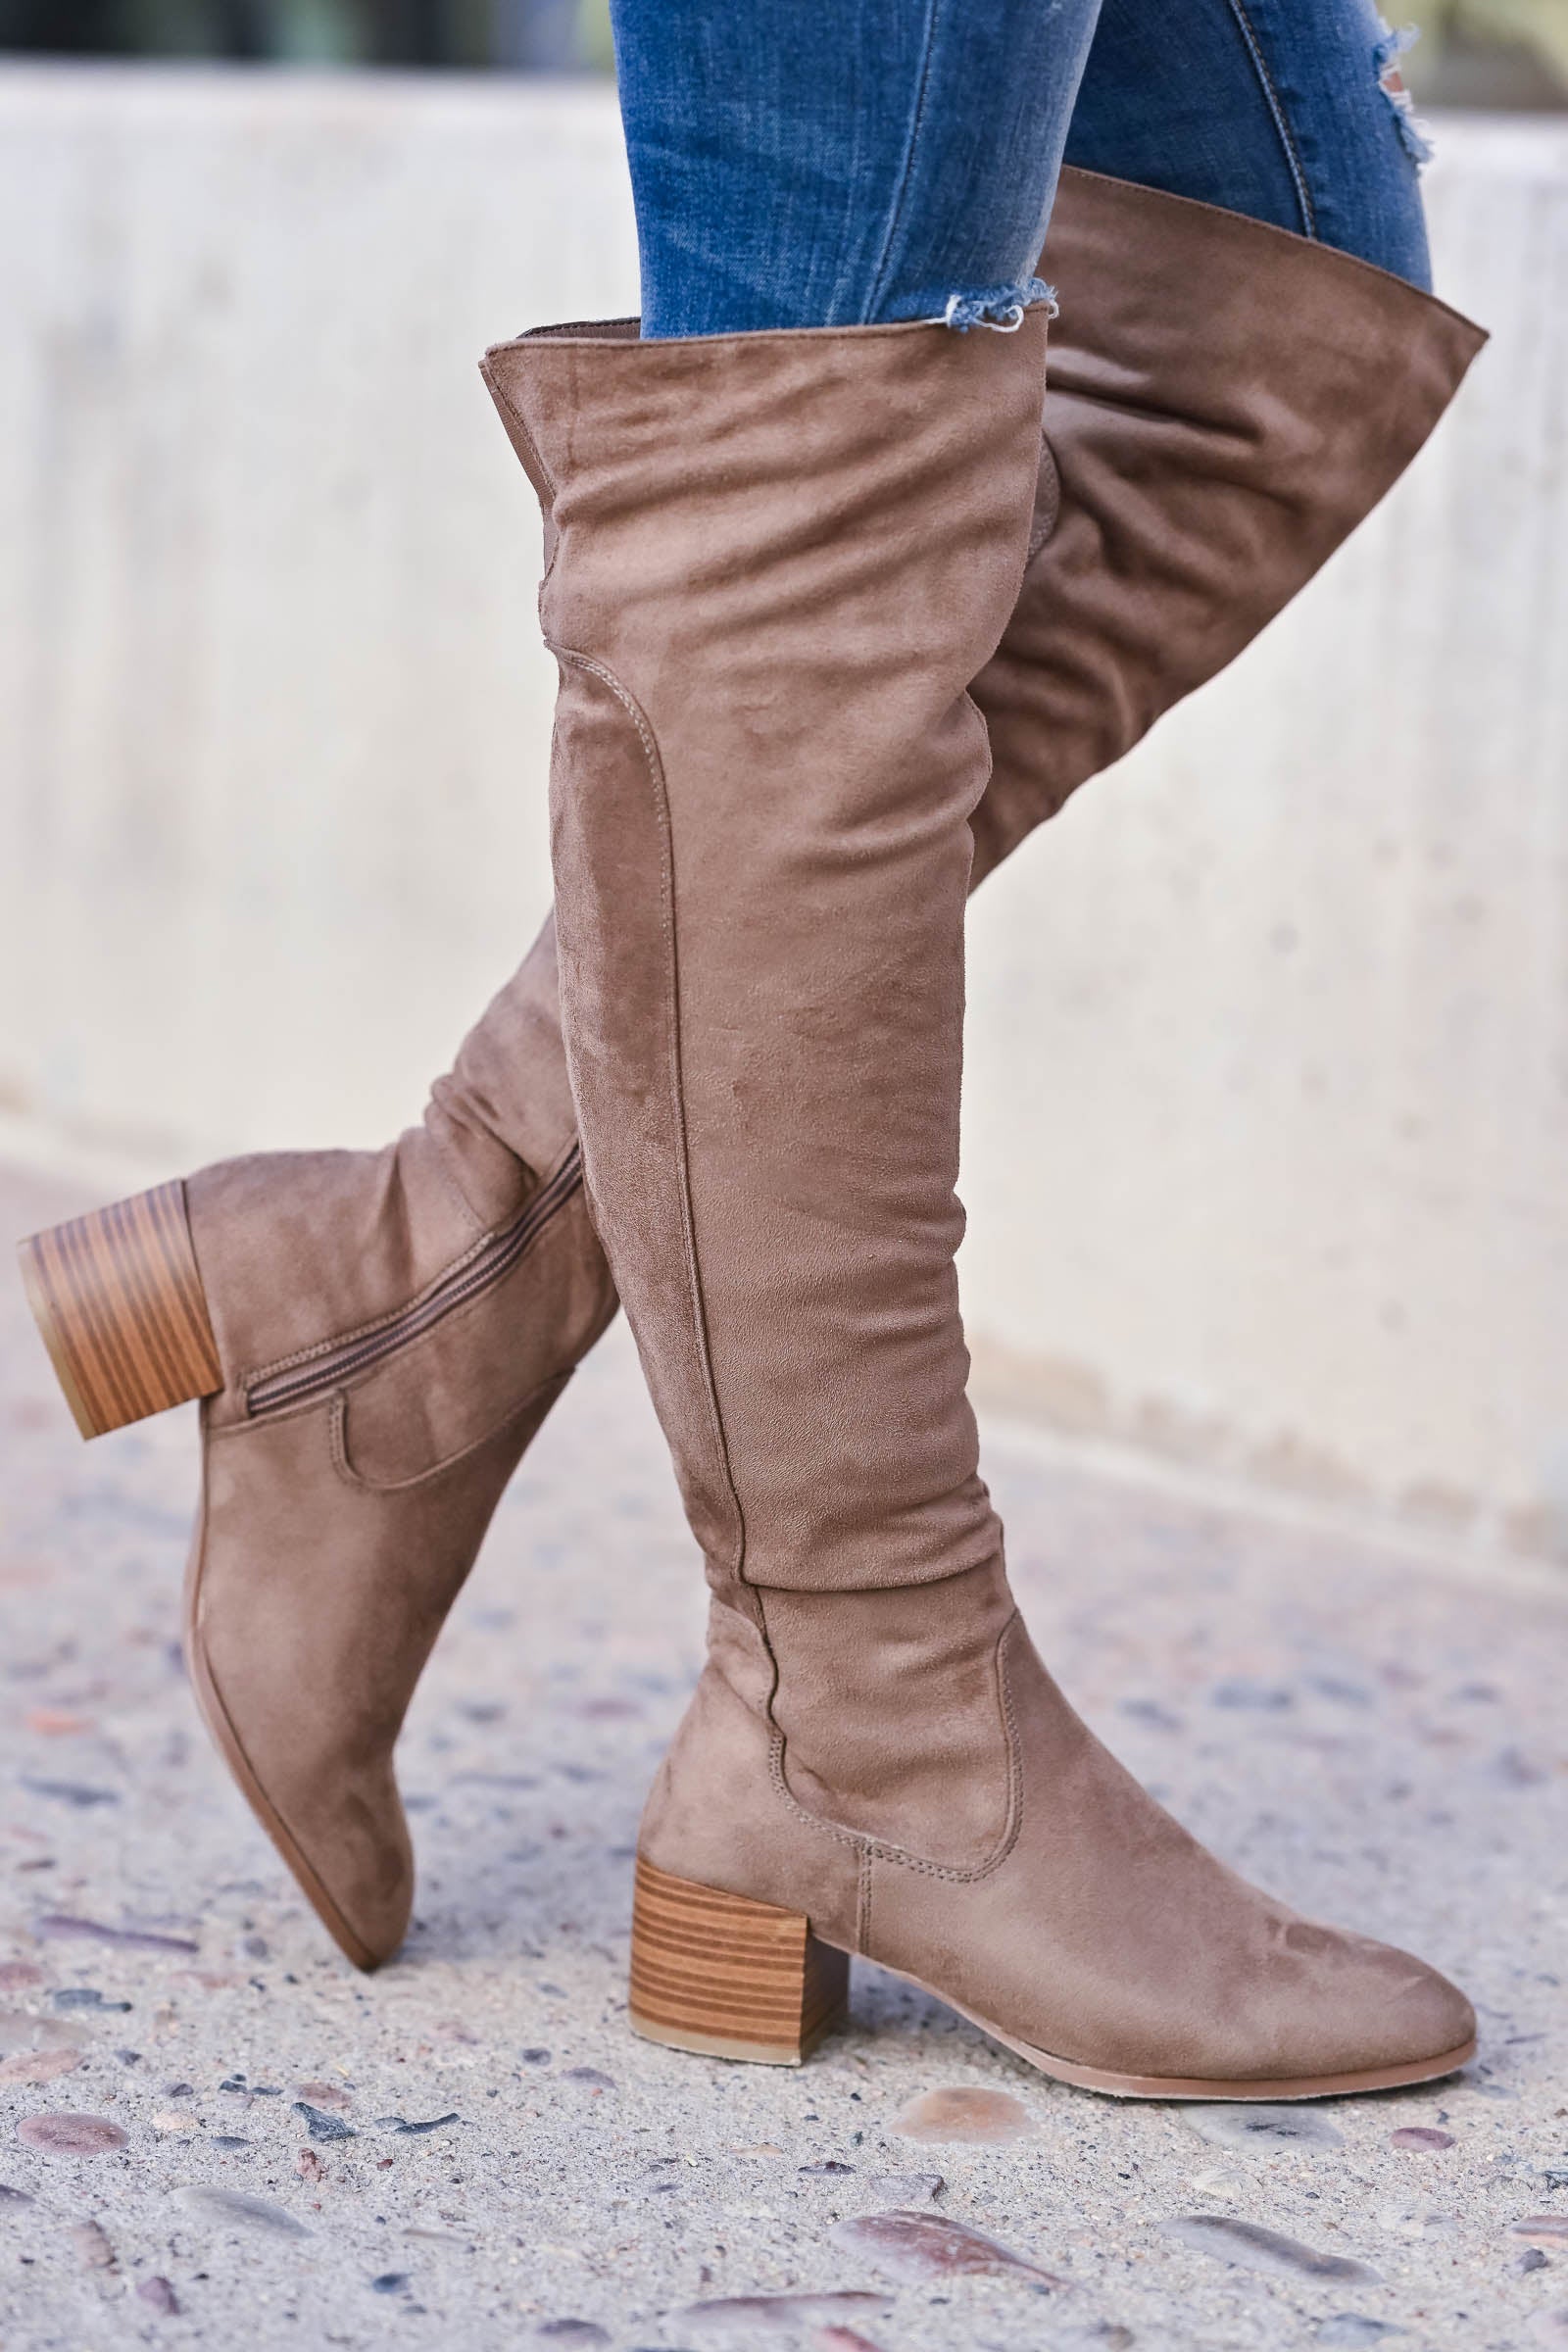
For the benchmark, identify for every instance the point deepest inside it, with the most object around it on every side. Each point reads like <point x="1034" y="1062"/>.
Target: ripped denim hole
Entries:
<point x="999" y="307"/>
<point x="1390" y="82"/>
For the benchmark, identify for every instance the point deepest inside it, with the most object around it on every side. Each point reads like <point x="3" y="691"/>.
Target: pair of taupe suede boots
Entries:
<point x="837" y="627"/>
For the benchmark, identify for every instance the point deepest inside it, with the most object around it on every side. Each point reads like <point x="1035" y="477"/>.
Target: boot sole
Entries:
<point x="118" y="1300"/>
<point x="729" y="1977"/>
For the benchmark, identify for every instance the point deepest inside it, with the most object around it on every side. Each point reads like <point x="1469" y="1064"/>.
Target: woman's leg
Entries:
<point x="859" y="160"/>
<point x="1289" y="111"/>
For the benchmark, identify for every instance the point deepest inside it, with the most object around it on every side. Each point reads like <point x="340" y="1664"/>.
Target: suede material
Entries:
<point x="946" y="1794"/>
<point x="776" y="1853"/>
<point x="1077" y="1916"/>
<point x="507" y="1104"/>
<point x="336" y="1534"/>
<point x="1227" y="402"/>
<point x="780" y="560"/>
<point x="771" y="558"/>
<point x="315" y="1601"/>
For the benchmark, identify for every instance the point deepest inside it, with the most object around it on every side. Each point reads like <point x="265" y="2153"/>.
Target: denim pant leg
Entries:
<point x="1289" y="110"/>
<point x="851" y="161"/>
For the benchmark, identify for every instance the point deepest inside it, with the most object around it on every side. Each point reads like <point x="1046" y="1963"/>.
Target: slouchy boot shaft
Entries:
<point x="778" y="562"/>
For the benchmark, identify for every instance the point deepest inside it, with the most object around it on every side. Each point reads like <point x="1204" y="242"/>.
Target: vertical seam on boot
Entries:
<point x="655" y="776"/>
<point x="863" y="1911"/>
<point x="878" y="1849"/>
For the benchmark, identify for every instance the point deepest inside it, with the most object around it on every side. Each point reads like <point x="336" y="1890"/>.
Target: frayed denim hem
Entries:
<point x="1001" y="308"/>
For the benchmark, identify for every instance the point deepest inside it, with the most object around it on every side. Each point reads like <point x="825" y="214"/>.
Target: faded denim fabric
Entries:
<point x="829" y="162"/>
<point x="1289" y="110"/>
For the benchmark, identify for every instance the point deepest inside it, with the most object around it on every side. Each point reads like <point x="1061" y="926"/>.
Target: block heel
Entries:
<point x="729" y="1977"/>
<point x="118" y="1300"/>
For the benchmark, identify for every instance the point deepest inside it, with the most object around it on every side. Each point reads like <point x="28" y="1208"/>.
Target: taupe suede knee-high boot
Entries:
<point x="778" y="558"/>
<point x="1190" y="481"/>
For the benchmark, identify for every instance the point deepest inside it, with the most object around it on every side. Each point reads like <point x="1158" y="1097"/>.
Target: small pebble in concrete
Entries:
<point x="786" y="2313"/>
<point x="66" y="1927"/>
<point x="322" y="2126"/>
<point x="1251" y="2247"/>
<point x="71" y="1793"/>
<point x="40" y="2065"/>
<point x="70" y="2135"/>
<point x="158" y="2296"/>
<point x="229" y="2205"/>
<point x="960" y="2114"/>
<point x="591" y="2075"/>
<point x="13" y="2197"/>
<point x="1352" y="2328"/>
<point x="1420" y="2135"/>
<point x="906" y="2189"/>
<point x="1240" y="1690"/>
<point x="390" y="2283"/>
<point x="437" y="2123"/>
<point x="86" y="1996"/>
<point x="1216" y="2181"/>
<point x="320" y="2094"/>
<point x="573" y="2332"/>
<point x="1532" y="2259"/>
<point x="926" y="2245"/>
<point x="1544" y="2228"/>
<point x="1268" y="2127"/>
<point x="92" y="2247"/>
<point x="534" y="2057"/>
<point x="832" y="2167"/>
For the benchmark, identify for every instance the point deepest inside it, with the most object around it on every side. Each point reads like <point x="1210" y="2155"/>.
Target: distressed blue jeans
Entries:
<point x="832" y="163"/>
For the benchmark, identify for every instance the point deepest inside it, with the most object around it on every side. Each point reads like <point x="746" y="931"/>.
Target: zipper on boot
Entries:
<point x="318" y="1369"/>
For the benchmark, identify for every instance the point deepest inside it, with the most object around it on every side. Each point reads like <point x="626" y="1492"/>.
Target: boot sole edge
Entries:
<point x="703" y="1959"/>
<point x="1283" y="2091"/>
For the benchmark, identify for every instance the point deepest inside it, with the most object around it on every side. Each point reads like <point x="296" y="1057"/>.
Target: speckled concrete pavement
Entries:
<point x="471" y="2150"/>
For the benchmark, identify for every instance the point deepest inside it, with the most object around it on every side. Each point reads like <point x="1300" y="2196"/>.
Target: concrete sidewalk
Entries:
<point x="471" y="2150"/>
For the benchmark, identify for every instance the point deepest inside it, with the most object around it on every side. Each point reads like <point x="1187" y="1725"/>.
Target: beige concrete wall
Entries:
<point x="1267" y="1116"/>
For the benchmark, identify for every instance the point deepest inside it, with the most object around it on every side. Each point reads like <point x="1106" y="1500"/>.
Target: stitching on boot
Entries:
<point x="568" y="1181"/>
<point x="546" y="1394"/>
<point x="656" y="777"/>
<point x="863" y="1908"/>
<point x="879" y="1849"/>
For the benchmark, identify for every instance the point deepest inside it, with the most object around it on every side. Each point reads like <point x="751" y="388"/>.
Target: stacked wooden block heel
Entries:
<point x="729" y="1977"/>
<point x="119" y="1299"/>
